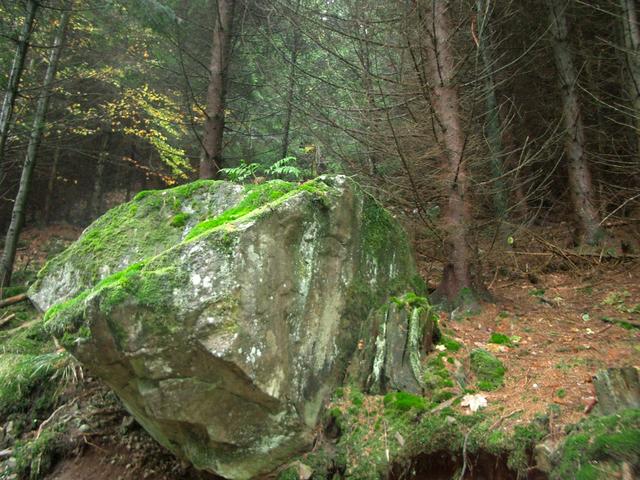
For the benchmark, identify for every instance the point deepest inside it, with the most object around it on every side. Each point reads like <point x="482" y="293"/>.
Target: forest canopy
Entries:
<point x="469" y="118"/>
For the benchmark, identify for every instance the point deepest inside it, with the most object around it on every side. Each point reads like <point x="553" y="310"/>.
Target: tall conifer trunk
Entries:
<point x="293" y="60"/>
<point x="632" y="50"/>
<point x="579" y="174"/>
<point x="13" y="85"/>
<point x="51" y="185"/>
<point x="17" y="214"/>
<point x="446" y="108"/>
<point x="492" y="123"/>
<point x="211" y="156"/>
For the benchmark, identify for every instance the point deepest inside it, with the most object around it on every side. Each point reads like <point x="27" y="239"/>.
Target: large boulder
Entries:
<point x="224" y="316"/>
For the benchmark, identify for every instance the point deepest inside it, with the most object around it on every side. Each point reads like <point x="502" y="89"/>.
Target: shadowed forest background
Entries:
<point x="471" y="119"/>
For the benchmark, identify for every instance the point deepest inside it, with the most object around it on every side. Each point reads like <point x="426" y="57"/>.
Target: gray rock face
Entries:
<point x="225" y="340"/>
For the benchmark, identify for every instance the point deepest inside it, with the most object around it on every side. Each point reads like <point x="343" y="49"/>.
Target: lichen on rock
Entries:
<point x="226" y="315"/>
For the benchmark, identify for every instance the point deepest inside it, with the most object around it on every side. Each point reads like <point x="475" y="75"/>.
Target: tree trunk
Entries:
<point x="17" y="215"/>
<point x="370" y="121"/>
<point x="293" y="60"/>
<point x="6" y="112"/>
<point x="632" y="49"/>
<point x="211" y="157"/>
<point x="51" y="185"/>
<point x="580" y="183"/>
<point x="492" y="124"/>
<point x="446" y="108"/>
<point x="96" y="197"/>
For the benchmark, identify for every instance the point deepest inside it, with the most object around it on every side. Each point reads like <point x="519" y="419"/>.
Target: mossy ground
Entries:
<point x="34" y="374"/>
<point x="488" y="370"/>
<point x="596" y="447"/>
<point x="379" y="433"/>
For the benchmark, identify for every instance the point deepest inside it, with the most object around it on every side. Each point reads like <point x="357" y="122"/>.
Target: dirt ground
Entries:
<point x="560" y="338"/>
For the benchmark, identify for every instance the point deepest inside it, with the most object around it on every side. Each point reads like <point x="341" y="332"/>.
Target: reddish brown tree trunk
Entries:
<point x="211" y="157"/>
<point x="446" y="108"/>
<point x="578" y="168"/>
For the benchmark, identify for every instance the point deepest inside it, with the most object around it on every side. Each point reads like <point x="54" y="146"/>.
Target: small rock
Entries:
<point x="5" y="453"/>
<point x="12" y="463"/>
<point x="127" y="423"/>
<point x="304" y="471"/>
<point x="84" y="428"/>
<point x="543" y="453"/>
<point x="9" y="431"/>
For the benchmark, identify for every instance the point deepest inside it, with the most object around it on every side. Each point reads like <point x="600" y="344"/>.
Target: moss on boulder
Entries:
<point x="224" y="316"/>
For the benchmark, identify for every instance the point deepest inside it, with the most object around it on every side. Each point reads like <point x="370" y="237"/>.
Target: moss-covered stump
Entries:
<point x="223" y="321"/>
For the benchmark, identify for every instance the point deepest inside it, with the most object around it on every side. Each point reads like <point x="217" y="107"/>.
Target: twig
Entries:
<point x="619" y="207"/>
<point x="6" y="319"/>
<point x="84" y="438"/>
<point x="444" y="405"/>
<point x="11" y="300"/>
<point x="502" y="419"/>
<point x="464" y="453"/>
<point x="604" y="329"/>
<point x="55" y="412"/>
<point x="386" y="445"/>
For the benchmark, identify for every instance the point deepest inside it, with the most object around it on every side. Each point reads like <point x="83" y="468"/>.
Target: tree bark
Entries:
<point x="51" y="185"/>
<point x="17" y="215"/>
<point x="293" y="60"/>
<point x="579" y="174"/>
<point x="364" y="54"/>
<point x="492" y="123"/>
<point x="446" y="108"/>
<point x="211" y="156"/>
<point x="6" y="112"/>
<point x="632" y="50"/>
<point x="96" y="197"/>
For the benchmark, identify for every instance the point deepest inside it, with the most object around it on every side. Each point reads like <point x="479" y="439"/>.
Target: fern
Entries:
<point x="242" y="172"/>
<point x="285" y="168"/>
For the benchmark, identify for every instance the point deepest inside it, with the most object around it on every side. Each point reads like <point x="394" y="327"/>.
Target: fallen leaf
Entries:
<point x="474" y="402"/>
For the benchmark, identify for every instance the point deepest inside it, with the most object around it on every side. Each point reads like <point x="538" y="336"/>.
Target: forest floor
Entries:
<point x="560" y="323"/>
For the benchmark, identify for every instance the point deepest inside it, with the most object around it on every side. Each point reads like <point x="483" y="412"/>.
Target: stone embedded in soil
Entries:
<point x="225" y="339"/>
<point x="617" y="389"/>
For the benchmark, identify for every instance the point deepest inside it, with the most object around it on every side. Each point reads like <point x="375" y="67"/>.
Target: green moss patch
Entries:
<point x="488" y="369"/>
<point x="437" y="379"/>
<point x="500" y="339"/>
<point x="403" y="402"/>
<point x="595" y="447"/>
<point x="400" y="427"/>
<point x="140" y="229"/>
<point x="180" y="220"/>
<point x="450" y="344"/>
<point x="150" y="282"/>
<point x="256" y="197"/>
<point x="35" y="458"/>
